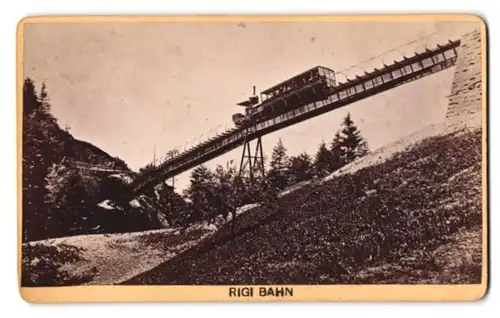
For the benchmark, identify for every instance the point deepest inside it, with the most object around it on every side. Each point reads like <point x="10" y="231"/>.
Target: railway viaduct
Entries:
<point x="464" y="106"/>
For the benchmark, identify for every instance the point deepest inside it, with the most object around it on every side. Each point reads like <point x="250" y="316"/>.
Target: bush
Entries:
<point x="42" y="265"/>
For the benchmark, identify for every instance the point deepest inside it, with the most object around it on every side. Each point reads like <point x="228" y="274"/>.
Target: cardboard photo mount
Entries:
<point x="250" y="293"/>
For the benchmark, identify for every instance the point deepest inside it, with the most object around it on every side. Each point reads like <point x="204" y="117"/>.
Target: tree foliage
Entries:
<point x="352" y="144"/>
<point x="279" y="167"/>
<point x="336" y="154"/>
<point x="322" y="161"/>
<point x="301" y="168"/>
<point x="201" y="193"/>
<point x="56" y="199"/>
<point x="347" y="145"/>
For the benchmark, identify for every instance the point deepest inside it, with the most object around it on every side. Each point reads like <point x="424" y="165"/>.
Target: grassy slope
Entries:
<point x="102" y="258"/>
<point x="398" y="221"/>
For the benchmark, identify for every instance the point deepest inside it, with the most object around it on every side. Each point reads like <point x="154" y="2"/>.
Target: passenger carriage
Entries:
<point x="309" y="86"/>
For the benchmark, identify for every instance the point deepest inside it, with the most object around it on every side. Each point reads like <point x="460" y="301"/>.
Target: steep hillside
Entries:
<point x="84" y="151"/>
<point x="399" y="211"/>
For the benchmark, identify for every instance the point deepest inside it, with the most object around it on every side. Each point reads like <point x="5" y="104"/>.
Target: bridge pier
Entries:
<point x="253" y="163"/>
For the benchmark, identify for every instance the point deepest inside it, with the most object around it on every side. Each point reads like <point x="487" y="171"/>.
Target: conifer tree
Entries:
<point x="301" y="167"/>
<point x="68" y="210"/>
<point x="44" y="99"/>
<point x="278" y="174"/>
<point x="322" y="161"/>
<point x="30" y="100"/>
<point x="201" y="193"/>
<point x="224" y="201"/>
<point x="353" y="145"/>
<point x="35" y="165"/>
<point x="336" y="160"/>
<point x="172" y="205"/>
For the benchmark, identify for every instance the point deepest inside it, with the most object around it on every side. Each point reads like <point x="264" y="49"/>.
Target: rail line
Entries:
<point x="371" y="83"/>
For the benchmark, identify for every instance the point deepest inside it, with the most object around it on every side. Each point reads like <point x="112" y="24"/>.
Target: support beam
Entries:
<point x="252" y="163"/>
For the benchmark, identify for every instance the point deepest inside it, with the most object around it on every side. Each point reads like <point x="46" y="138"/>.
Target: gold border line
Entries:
<point x="156" y="293"/>
<point x="251" y="18"/>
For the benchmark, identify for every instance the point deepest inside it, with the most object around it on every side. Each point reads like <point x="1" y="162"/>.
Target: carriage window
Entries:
<point x="352" y="91"/>
<point x="408" y="69"/>
<point x="377" y="80"/>
<point x="359" y="88"/>
<point x="342" y="94"/>
<point x="334" y="97"/>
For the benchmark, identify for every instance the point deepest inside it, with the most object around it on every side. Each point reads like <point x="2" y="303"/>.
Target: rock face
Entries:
<point x="465" y="100"/>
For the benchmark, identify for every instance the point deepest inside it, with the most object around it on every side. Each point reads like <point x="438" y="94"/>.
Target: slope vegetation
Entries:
<point x="395" y="221"/>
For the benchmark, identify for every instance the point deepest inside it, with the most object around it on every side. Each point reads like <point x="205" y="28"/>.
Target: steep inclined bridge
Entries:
<point x="379" y="80"/>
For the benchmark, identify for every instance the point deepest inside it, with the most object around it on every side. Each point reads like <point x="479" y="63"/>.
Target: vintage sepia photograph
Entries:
<point x="248" y="152"/>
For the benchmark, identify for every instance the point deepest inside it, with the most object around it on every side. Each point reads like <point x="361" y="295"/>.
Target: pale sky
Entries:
<point x="129" y="88"/>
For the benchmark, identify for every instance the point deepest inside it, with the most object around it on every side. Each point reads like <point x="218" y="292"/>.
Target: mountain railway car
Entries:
<point x="309" y="86"/>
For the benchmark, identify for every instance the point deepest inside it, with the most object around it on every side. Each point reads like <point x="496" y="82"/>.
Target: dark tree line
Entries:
<point x="220" y="192"/>
<point x="57" y="200"/>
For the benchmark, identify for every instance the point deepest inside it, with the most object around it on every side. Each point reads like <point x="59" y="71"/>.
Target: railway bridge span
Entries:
<point x="398" y="73"/>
